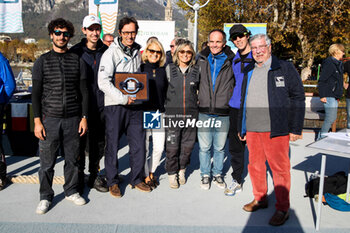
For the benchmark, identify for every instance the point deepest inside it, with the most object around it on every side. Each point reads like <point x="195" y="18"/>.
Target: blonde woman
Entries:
<point x="330" y="85"/>
<point x="153" y="58"/>
<point x="181" y="105"/>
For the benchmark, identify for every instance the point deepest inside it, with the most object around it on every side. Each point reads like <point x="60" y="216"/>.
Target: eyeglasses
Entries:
<point x="58" y="33"/>
<point x="172" y="46"/>
<point x="260" y="47"/>
<point x="129" y="33"/>
<point x="236" y="36"/>
<point x="155" y="51"/>
<point x="188" y="52"/>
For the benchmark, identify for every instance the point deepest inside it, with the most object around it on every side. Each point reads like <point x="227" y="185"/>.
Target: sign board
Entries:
<point x="11" y="16"/>
<point x="254" y="28"/>
<point x="163" y="30"/>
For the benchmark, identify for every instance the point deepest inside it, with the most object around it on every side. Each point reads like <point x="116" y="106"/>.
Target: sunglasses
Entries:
<point x="58" y="33"/>
<point x="172" y="46"/>
<point x="155" y="51"/>
<point x="188" y="52"/>
<point x="237" y="35"/>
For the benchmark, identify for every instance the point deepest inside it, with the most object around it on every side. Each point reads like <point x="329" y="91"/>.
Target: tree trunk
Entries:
<point x="306" y="71"/>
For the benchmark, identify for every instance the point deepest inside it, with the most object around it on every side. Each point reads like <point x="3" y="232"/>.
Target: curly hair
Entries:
<point x="60" y="23"/>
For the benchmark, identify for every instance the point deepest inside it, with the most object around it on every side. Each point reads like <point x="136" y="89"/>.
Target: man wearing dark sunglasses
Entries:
<point x="122" y="56"/>
<point x="90" y="49"/>
<point x="60" y="107"/>
<point x="239" y="35"/>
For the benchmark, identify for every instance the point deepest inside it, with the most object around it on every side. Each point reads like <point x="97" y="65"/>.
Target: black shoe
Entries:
<point x="99" y="184"/>
<point x="3" y="183"/>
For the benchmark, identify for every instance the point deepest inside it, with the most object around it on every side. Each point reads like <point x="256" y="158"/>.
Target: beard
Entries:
<point x="60" y="46"/>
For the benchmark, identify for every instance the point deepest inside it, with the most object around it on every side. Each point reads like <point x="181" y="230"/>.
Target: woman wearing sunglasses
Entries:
<point x="153" y="59"/>
<point x="181" y="106"/>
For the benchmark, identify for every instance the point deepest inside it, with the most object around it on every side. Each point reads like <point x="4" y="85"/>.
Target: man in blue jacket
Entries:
<point x="272" y="113"/>
<point x="7" y="87"/>
<point x="239" y="35"/>
<point x="90" y="49"/>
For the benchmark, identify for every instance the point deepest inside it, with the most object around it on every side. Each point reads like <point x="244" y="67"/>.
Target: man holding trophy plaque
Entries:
<point x="120" y="85"/>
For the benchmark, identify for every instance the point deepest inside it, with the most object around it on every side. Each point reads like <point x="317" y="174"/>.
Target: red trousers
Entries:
<point x="276" y="151"/>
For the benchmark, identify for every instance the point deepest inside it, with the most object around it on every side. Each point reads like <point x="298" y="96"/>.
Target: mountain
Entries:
<point x="37" y="14"/>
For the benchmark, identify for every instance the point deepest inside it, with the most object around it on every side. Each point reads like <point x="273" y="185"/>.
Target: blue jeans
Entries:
<point x="331" y="109"/>
<point x="216" y="137"/>
<point x="348" y="111"/>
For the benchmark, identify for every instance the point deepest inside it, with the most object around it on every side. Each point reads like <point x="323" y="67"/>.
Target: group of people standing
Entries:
<point x="251" y="97"/>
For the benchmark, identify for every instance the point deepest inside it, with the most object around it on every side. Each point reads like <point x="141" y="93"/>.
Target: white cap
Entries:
<point x="90" y="20"/>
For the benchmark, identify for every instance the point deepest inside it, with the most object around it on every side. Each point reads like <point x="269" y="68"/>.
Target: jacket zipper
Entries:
<point x="63" y="87"/>
<point x="184" y="95"/>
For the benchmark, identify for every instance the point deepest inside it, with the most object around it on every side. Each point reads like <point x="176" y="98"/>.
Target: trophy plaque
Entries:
<point x="132" y="84"/>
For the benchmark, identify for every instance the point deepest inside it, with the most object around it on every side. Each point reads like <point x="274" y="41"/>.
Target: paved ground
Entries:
<point x="188" y="209"/>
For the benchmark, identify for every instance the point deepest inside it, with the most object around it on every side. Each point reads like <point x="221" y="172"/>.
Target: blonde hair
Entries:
<point x="180" y="47"/>
<point x="155" y="42"/>
<point x="334" y="48"/>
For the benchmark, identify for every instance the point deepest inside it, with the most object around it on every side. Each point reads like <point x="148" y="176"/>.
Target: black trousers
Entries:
<point x="119" y="120"/>
<point x="93" y="143"/>
<point x="179" y="146"/>
<point x="59" y="131"/>
<point x="236" y="147"/>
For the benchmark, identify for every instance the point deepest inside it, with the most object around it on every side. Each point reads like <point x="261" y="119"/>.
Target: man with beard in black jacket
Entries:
<point x="90" y="49"/>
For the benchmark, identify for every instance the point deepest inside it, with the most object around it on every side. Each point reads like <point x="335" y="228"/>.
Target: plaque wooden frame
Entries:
<point x="132" y="84"/>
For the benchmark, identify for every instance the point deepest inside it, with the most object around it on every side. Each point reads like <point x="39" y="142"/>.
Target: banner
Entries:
<point x="108" y="10"/>
<point x="11" y="16"/>
<point x="163" y="30"/>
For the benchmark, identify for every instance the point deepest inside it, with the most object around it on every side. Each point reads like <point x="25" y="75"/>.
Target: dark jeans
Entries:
<point x="93" y="143"/>
<point x="236" y="147"/>
<point x="59" y="131"/>
<point x="179" y="146"/>
<point x="119" y="120"/>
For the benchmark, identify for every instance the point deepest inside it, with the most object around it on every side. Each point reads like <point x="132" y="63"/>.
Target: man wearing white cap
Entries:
<point x="90" y="49"/>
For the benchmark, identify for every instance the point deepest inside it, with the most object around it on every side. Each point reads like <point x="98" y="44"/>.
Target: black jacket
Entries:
<point x="182" y="96"/>
<point x="157" y="86"/>
<point x="330" y="83"/>
<point x="211" y="102"/>
<point x="92" y="59"/>
<point x="59" y="86"/>
<point x="285" y="95"/>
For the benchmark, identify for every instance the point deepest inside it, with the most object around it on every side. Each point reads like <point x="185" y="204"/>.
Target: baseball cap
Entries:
<point x="238" y="29"/>
<point x="90" y="20"/>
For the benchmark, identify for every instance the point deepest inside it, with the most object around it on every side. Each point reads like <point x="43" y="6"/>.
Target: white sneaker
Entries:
<point x="234" y="188"/>
<point x="205" y="183"/>
<point x="43" y="207"/>
<point x="219" y="181"/>
<point x="76" y="199"/>
<point x="173" y="181"/>
<point x="182" y="178"/>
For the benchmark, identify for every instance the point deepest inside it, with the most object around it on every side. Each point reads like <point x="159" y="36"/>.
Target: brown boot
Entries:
<point x="142" y="187"/>
<point x="115" y="191"/>
<point x="279" y="218"/>
<point x="255" y="205"/>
